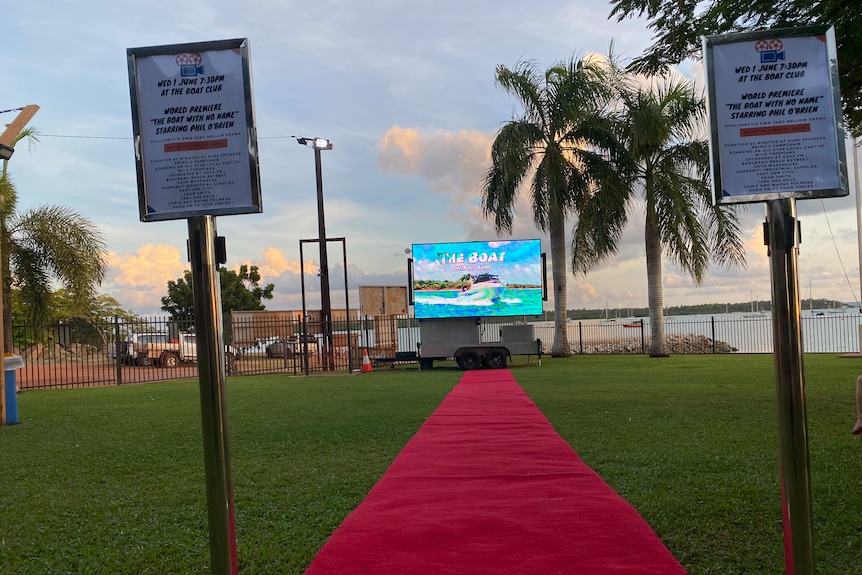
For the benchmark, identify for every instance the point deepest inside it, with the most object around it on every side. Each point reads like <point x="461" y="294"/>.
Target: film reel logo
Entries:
<point x="770" y="51"/>
<point x="190" y="65"/>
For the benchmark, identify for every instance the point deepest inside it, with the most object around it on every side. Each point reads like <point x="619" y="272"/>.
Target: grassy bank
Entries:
<point x="111" y="480"/>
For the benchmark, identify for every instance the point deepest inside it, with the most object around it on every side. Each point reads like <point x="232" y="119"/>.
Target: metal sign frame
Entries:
<point x="776" y="129"/>
<point x="777" y="136"/>
<point x="194" y="130"/>
<point x="196" y="158"/>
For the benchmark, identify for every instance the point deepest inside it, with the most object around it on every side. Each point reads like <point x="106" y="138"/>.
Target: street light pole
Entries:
<point x="319" y="144"/>
<point x="325" y="302"/>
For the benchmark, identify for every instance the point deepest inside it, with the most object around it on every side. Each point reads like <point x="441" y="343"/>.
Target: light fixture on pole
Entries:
<point x="316" y="143"/>
<point x="319" y="144"/>
<point x="6" y="151"/>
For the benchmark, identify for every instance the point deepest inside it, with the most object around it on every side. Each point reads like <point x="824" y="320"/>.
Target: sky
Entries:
<point x="406" y="93"/>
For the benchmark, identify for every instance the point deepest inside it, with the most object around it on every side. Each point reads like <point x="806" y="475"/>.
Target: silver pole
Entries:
<point x="211" y="376"/>
<point x="790" y="388"/>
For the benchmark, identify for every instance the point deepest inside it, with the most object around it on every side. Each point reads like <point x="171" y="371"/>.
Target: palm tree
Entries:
<point x="45" y="244"/>
<point x="560" y="149"/>
<point x="670" y="178"/>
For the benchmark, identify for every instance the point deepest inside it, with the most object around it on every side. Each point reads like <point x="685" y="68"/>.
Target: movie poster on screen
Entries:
<point x="193" y="119"/>
<point x="477" y="279"/>
<point x="775" y="113"/>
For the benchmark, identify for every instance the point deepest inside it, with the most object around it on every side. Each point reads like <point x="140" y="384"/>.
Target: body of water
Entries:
<point x="823" y="331"/>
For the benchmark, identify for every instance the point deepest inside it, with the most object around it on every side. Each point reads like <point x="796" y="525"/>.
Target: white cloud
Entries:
<point x="139" y="280"/>
<point x="405" y="90"/>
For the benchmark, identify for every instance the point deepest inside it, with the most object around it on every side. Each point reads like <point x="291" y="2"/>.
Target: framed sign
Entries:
<point x="477" y="279"/>
<point x="194" y="130"/>
<point x="775" y="115"/>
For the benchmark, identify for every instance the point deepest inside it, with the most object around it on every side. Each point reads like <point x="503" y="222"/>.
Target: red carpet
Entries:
<point x="488" y="487"/>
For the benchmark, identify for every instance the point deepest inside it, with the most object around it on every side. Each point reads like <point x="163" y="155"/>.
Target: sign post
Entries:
<point x="196" y="158"/>
<point x="211" y="375"/>
<point x="776" y="135"/>
<point x="793" y="461"/>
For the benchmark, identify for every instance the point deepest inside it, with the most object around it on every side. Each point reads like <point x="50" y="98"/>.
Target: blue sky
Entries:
<point x="406" y="93"/>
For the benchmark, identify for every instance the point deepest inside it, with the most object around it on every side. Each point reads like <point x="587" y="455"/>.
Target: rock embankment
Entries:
<point x="676" y="343"/>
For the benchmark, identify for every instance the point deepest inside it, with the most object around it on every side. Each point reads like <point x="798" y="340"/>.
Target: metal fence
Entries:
<point x="90" y="352"/>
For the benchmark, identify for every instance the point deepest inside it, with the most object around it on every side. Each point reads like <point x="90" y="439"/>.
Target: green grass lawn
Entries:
<point x="111" y="480"/>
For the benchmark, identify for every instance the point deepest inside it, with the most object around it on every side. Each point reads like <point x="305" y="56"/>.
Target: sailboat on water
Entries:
<point x="755" y="309"/>
<point x="606" y="318"/>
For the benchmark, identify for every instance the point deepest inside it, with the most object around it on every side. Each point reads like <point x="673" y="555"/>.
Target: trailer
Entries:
<point x="460" y="291"/>
<point x="474" y="344"/>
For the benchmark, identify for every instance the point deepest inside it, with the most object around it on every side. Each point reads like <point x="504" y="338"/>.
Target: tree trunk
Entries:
<point x="557" y="231"/>
<point x="657" y="346"/>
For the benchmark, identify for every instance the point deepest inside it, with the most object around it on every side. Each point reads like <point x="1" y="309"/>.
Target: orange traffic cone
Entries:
<point x="366" y="361"/>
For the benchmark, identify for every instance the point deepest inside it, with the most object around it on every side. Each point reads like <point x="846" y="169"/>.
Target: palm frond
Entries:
<point x="33" y="282"/>
<point x="67" y="246"/>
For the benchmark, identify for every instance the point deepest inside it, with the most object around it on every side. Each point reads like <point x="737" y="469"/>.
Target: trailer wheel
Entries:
<point x="169" y="359"/>
<point x="495" y="358"/>
<point x="469" y="360"/>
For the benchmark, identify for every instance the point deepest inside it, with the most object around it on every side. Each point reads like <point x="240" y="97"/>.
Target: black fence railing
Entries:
<point x="89" y="352"/>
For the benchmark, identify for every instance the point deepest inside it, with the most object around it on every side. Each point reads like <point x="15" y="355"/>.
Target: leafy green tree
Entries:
<point x="85" y="328"/>
<point x="102" y="306"/>
<point x="558" y="151"/>
<point x="240" y="290"/>
<point x="44" y="245"/>
<point x="180" y="301"/>
<point x="680" y="26"/>
<point x="669" y="177"/>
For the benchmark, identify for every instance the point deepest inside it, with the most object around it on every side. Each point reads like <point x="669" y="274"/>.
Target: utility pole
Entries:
<point x="7" y="139"/>
<point x="15" y="126"/>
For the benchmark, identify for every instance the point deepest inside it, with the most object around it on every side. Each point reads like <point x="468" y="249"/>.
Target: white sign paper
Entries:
<point x="193" y="131"/>
<point x="775" y="128"/>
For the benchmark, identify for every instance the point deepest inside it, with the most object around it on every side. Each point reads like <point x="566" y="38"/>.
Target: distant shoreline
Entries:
<point x="706" y="309"/>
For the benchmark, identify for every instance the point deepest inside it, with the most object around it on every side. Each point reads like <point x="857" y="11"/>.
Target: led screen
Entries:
<point x="477" y="279"/>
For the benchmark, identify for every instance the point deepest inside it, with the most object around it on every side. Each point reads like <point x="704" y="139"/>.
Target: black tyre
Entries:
<point x="170" y="360"/>
<point x="469" y="359"/>
<point x="495" y="358"/>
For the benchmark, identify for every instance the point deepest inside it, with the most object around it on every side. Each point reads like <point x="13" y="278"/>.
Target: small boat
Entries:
<point x="637" y="323"/>
<point x="483" y="287"/>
